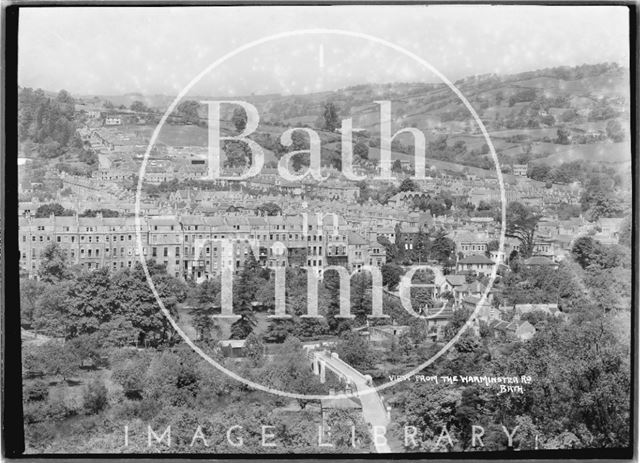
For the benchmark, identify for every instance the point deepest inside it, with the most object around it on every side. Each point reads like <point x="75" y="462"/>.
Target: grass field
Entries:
<point x="609" y="153"/>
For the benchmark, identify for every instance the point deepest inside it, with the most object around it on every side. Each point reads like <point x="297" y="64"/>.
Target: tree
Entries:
<point x="189" y="111"/>
<point x="138" y="303"/>
<point x="615" y="131"/>
<point x="330" y="116"/>
<point x="129" y="371"/>
<point x="269" y="209"/>
<point x="538" y="172"/>
<point x="564" y="136"/>
<point x="460" y="317"/>
<point x="361" y="150"/>
<point x="30" y="291"/>
<point x="391" y="249"/>
<point x="279" y="330"/>
<point x="442" y="248"/>
<point x="586" y="251"/>
<point x="237" y="154"/>
<point x="173" y="378"/>
<point x="290" y="371"/>
<point x="492" y="246"/>
<point x="361" y="287"/>
<point x="56" y="209"/>
<point x="48" y="123"/>
<point x="244" y="295"/>
<point x="408" y="185"/>
<point x="65" y="97"/>
<point x="95" y="396"/>
<point x="355" y="351"/>
<point x="391" y="275"/>
<point x="139" y="106"/>
<point x="58" y="360"/>
<point x="104" y="212"/>
<point x="624" y="238"/>
<point x="521" y="224"/>
<point x="599" y="198"/>
<point x="254" y="349"/>
<point x="49" y="315"/>
<point x="92" y="301"/>
<point x="53" y="264"/>
<point x="332" y="284"/>
<point x="239" y="119"/>
<point x="202" y="321"/>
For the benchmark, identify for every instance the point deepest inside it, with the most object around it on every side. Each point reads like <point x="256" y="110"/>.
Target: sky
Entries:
<point x="160" y="50"/>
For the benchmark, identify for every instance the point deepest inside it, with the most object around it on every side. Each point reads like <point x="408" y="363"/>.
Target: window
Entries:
<point x="154" y="252"/>
<point x="58" y="239"/>
<point x="165" y="252"/>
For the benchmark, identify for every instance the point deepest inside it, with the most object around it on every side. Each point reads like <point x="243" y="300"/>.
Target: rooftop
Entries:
<point x="476" y="259"/>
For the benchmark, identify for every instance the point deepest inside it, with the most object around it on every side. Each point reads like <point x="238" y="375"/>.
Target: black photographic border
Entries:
<point x="11" y="404"/>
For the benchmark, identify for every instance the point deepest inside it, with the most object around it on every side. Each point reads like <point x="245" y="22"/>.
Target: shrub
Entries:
<point x="36" y="391"/>
<point x="95" y="396"/>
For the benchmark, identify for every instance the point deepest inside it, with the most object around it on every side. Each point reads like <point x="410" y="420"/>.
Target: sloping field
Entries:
<point x="609" y="153"/>
<point x="374" y="153"/>
<point x="604" y="84"/>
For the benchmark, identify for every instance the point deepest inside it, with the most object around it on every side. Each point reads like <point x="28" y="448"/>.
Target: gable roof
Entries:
<point x="455" y="280"/>
<point x="476" y="259"/>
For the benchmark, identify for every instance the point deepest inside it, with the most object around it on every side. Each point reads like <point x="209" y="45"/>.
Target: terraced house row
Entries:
<point x="199" y="247"/>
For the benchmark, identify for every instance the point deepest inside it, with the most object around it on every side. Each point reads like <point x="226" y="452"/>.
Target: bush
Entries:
<point x="54" y="409"/>
<point x="36" y="391"/>
<point x="95" y="396"/>
<point x="130" y="374"/>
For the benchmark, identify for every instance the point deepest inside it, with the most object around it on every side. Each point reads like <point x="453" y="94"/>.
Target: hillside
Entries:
<point x="547" y="116"/>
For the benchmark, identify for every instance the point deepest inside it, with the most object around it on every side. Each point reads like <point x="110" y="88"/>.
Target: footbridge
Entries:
<point x="373" y="409"/>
